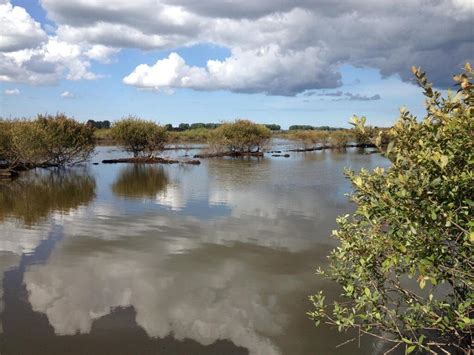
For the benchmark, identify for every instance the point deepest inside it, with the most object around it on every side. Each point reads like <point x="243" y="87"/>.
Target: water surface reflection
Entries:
<point x="216" y="258"/>
<point x="41" y="192"/>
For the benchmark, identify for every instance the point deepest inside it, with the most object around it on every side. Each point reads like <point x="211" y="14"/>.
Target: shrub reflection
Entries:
<point x="35" y="195"/>
<point x="140" y="181"/>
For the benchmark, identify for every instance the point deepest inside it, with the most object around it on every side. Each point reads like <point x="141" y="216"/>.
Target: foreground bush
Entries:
<point x="406" y="256"/>
<point x="46" y="141"/>
<point x="138" y="136"/>
<point x="240" y="136"/>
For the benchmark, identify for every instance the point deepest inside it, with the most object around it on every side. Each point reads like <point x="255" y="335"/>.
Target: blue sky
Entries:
<point x="304" y="83"/>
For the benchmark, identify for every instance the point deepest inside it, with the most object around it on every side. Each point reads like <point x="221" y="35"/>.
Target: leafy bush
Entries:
<point x="5" y="141"/>
<point x="405" y="260"/>
<point x="66" y="140"/>
<point x="47" y="140"/>
<point x="139" y="136"/>
<point x="369" y="135"/>
<point x="240" y="136"/>
<point x="28" y="144"/>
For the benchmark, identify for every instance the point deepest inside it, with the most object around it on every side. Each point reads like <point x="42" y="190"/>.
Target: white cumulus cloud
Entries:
<point x="277" y="47"/>
<point x="18" y="30"/>
<point x="268" y="69"/>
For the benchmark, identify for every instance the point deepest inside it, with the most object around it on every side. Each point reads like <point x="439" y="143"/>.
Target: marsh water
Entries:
<point x="173" y="259"/>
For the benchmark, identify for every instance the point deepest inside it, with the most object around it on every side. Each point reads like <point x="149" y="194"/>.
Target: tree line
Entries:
<point x="187" y="126"/>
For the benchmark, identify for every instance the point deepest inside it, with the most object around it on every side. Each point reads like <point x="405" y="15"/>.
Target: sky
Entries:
<point x="270" y="61"/>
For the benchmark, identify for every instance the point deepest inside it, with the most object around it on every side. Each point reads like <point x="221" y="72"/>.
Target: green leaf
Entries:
<point x="410" y="349"/>
<point x="390" y="147"/>
<point x="443" y="161"/>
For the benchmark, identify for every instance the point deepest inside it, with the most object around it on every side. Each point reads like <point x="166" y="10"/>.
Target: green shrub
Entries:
<point x="139" y="136"/>
<point x="66" y="141"/>
<point x="240" y="136"/>
<point x="5" y="141"/>
<point x="47" y="140"/>
<point x="413" y="221"/>
<point x="28" y="144"/>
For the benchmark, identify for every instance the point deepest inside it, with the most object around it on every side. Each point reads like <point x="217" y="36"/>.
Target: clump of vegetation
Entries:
<point x="240" y="136"/>
<point x="67" y="141"/>
<point x="405" y="260"/>
<point x="339" y="138"/>
<point x="46" y="141"/>
<point x="324" y="138"/>
<point x="139" y="136"/>
<point x="197" y="135"/>
<point x="103" y="135"/>
<point x="310" y="138"/>
<point x="34" y="196"/>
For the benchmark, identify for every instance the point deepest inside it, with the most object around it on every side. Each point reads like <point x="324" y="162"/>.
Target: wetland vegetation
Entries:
<point x="403" y="258"/>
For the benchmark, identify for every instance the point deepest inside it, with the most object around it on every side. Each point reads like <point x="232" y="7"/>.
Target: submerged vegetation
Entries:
<point x="405" y="260"/>
<point x="45" y="141"/>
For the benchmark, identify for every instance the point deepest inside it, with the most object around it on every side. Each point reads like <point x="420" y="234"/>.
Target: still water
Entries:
<point x="176" y="259"/>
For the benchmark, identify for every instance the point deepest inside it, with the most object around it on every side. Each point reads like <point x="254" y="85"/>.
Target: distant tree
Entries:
<point x="301" y="128"/>
<point x="273" y="127"/>
<point x="139" y="136"/>
<point x="197" y="125"/>
<point x="183" y="126"/>
<point x="168" y="127"/>
<point x="98" y="124"/>
<point x="212" y="125"/>
<point x="405" y="260"/>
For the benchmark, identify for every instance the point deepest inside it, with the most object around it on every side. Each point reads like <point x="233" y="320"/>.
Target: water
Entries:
<point x="210" y="259"/>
